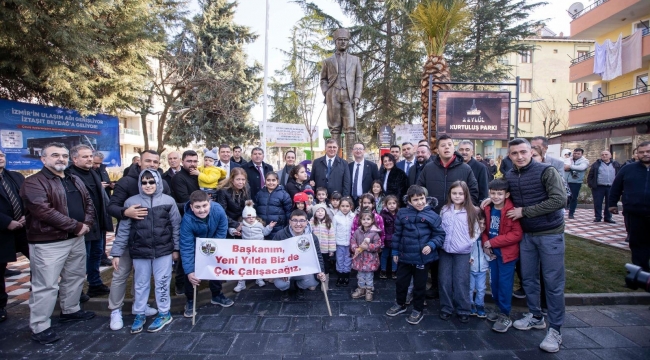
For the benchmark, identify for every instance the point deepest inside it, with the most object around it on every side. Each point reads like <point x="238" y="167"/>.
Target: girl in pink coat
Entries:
<point x="365" y="244"/>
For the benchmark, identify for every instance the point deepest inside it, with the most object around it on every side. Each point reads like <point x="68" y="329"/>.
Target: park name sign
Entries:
<point x="476" y="115"/>
<point x="236" y="259"/>
<point x="26" y="128"/>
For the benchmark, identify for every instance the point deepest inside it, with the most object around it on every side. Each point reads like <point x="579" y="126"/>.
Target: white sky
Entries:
<point x="284" y="14"/>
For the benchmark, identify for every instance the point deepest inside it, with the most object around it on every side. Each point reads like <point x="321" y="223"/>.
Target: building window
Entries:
<point x="524" y="115"/>
<point x="641" y="26"/>
<point x="524" y="86"/>
<point x="503" y="61"/>
<point x="526" y="57"/>
<point x="641" y="83"/>
<point x="554" y="51"/>
<point x="554" y="80"/>
<point x="582" y="54"/>
<point x="580" y="87"/>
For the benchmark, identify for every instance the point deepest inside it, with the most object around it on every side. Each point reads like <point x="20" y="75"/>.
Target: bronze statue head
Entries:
<point x="341" y="39"/>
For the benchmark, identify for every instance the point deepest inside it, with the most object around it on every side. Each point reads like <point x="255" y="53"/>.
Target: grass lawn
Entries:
<point x="594" y="268"/>
<point x="590" y="268"/>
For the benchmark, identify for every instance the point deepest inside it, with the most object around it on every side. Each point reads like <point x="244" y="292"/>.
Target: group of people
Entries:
<point x="411" y="220"/>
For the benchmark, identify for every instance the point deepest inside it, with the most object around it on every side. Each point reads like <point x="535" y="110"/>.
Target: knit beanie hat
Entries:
<point x="318" y="206"/>
<point x="300" y="197"/>
<point x="249" y="210"/>
<point x="309" y="192"/>
<point x="211" y="153"/>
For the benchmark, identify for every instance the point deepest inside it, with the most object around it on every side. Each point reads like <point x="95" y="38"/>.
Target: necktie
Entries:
<point x="18" y="213"/>
<point x="355" y="183"/>
<point x="329" y="167"/>
<point x="259" y="169"/>
<point x="408" y="166"/>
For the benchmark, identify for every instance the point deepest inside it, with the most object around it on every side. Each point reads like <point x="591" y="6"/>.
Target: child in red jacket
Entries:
<point x="501" y="237"/>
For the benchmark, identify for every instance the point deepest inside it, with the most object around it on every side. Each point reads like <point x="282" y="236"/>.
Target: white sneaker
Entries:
<point x="241" y="285"/>
<point x="529" y="322"/>
<point x="116" y="319"/>
<point x="260" y="282"/>
<point x="552" y="341"/>
<point x="149" y="311"/>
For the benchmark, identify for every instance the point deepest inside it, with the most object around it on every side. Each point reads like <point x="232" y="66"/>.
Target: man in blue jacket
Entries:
<point x="202" y="219"/>
<point x="633" y="182"/>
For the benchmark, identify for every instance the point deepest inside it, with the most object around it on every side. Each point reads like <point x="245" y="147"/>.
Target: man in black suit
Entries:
<point x="224" y="159"/>
<point x="466" y="150"/>
<point x="330" y="171"/>
<point x="362" y="172"/>
<point x="256" y="170"/>
<point x="422" y="157"/>
<point x="12" y="225"/>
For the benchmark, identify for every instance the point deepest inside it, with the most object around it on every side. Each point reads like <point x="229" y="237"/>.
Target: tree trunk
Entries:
<point x="436" y="66"/>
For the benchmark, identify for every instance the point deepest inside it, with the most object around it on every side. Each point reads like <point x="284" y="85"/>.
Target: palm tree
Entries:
<point x="434" y="21"/>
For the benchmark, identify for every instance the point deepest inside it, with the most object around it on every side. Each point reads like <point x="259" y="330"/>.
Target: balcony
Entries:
<point x="628" y="103"/>
<point x="582" y="68"/>
<point x="603" y="16"/>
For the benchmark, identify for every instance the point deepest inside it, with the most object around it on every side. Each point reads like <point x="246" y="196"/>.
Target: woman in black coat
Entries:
<point x="398" y="182"/>
<point x="298" y="180"/>
<point x="232" y="198"/>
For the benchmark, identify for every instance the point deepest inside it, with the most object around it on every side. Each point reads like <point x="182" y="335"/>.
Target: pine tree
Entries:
<point x="221" y="89"/>
<point x="90" y="56"/>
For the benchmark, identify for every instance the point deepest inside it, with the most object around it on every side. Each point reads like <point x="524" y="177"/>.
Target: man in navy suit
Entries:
<point x="256" y="171"/>
<point x="362" y="172"/>
<point x="224" y="162"/>
<point x="330" y="171"/>
<point x="12" y="225"/>
<point x="408" y="153"/>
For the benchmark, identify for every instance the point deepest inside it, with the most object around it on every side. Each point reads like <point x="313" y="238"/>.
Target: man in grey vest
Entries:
<point x="539" y="206"/>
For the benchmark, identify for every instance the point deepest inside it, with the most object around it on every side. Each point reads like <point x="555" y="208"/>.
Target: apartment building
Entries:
<point x="614" y="114"/>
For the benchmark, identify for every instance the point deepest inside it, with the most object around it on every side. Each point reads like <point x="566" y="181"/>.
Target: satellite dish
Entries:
<point x="584" y="96"/>
<point x="575" y="9"/>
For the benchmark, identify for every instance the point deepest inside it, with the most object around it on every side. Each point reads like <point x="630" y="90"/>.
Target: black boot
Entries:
<point x="346" y="279"/>
<point x="339" y="279"/>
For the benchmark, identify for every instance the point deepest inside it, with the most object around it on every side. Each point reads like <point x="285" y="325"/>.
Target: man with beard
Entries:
<point x="186" y="180"/>
<point x="82" y="163"/>
<point x="633" y="183"/>
<point x="124" y="189"/>
<point x="59" y="213"/>
<point x="409" y="157"/>
<point x="466" y="150"/>
<point x="422" y="157"/>
<point x="12" y="224"/>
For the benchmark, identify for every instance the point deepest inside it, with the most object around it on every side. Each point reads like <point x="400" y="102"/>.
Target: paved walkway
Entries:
<point x="260" y="326"/>
<point x="583" y="225"/>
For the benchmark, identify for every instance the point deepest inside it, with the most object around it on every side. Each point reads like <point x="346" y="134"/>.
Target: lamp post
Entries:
<point x="266" y="79"/>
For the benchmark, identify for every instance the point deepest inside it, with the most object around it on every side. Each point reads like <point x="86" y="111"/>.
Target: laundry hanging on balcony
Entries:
<point x="632" y="52"/>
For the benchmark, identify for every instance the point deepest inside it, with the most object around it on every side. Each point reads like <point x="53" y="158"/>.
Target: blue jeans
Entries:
<point x="477" y="282"/>
<point x="502" y="277"/>
<point x="575" y="191"/>
<point x="547" y="251"/>
<point x="386" y="256"/>
<point x="303" y="282"/>
<point x="343" y="259"/>
<point x="94" y="251"/>
<point x="600" y="193"/>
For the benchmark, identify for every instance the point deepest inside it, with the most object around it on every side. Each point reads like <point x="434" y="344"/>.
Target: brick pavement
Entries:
<point x="605" y="233"/>
<point x="259" y="326"/>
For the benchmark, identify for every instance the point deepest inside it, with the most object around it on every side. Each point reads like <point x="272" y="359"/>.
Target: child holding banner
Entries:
<point x="205" y="219"/>
<point x="298" y="225"/>
<point x="252" y="228"/>
<point x="152" y="243"/>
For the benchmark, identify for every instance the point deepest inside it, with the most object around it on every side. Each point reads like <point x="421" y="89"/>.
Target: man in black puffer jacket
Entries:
<point x="437" y="177"/>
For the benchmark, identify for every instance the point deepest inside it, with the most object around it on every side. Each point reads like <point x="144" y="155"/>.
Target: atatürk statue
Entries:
<point x="341" y="80"/>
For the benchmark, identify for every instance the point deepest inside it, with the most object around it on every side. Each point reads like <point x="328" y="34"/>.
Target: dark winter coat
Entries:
<point x="480" y="172"/>
<point x="215" y="227"/>
<point x="438" y="179"/>
<point x="633" y="182"/>
<point x="293" y="187"/>
<point x="103" y="221"/>
<point x="397" y="184"/>
<point x="125" y="188"/>
<point x="232" y="205"/>
<point x="183" y="184"/>
<point x="103" y="174"/>
<point x="157" y="234"/>
<point x="9" y="238"/>
<point x="274" y="206"/>
<point x="253" y="176"/>
<point x="413" y="231"/>
<point x="389" y="227"/>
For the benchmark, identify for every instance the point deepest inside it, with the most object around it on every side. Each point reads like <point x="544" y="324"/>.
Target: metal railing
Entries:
<point x="611" y="97"/>
<point x="589" y="55"/>
<point x="587" y="9"/>
<point x="130" y="131"/>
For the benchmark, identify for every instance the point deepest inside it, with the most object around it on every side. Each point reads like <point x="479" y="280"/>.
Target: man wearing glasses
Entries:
<point x="59" y="212"/>
<point x="298" y="226"/>
<point x="362" y="171"/>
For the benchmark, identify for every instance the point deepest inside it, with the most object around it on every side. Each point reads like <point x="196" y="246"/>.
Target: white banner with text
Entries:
<point x="236" y="259"/>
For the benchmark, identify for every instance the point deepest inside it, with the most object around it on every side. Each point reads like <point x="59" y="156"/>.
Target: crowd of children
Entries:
<point x="378" y="236"/>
